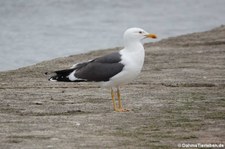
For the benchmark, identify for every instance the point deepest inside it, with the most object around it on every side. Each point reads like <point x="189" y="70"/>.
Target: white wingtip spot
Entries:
<point x="52" y="80"/>
<point x="72" y="77"/>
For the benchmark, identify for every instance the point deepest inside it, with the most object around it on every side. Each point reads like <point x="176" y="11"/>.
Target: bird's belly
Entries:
<point x="128" y="74"/>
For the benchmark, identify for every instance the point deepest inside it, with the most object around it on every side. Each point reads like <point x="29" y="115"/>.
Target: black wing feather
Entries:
<point x="99" y="69"/>
<point x="96" y="71"/>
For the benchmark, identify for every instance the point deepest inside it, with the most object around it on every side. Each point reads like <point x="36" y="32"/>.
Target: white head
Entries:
<point x="136" y="34"/>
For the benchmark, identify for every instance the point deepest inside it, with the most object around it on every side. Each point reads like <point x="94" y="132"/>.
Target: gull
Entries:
<point x="112" y="70"/>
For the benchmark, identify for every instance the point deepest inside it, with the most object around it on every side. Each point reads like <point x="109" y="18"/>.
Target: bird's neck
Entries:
<point x="133" y="45"/>
<point x="129" y="43"/>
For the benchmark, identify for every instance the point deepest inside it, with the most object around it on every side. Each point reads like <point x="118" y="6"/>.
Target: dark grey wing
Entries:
<point x="95" y="71"/>
<point x="110" y="58"/>
<point x="100" y="69"/>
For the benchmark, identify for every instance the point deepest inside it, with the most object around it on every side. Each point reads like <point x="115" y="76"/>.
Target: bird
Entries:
<point x="112" y="70"/>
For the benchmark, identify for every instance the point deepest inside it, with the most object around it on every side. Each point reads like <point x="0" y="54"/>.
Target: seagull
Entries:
<point x="112" y="70"/>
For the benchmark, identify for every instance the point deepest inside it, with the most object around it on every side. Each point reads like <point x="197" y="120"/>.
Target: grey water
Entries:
<point x="35" y="30"/>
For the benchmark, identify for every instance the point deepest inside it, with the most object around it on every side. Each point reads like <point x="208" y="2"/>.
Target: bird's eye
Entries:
<point x="140" y="32"/>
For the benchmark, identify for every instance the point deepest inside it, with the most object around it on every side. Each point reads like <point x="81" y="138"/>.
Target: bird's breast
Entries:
<point x="133" y="63"/>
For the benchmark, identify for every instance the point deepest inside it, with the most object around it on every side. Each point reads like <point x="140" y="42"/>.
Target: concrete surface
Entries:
<point x="178" y="98"/>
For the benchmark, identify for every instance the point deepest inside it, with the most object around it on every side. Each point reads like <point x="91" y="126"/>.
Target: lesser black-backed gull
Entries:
<point x="112" y="70"/>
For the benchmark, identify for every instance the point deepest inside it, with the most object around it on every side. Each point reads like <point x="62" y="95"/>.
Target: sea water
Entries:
<point x="35" y="30"/>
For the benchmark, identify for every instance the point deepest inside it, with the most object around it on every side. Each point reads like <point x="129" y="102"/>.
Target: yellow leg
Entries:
<point x="113" y="100"/>
<point x="119" y="99"/>
<point x="121" y="109"/>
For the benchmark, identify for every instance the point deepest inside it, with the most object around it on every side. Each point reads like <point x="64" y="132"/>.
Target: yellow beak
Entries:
<point x="150" y="36"/>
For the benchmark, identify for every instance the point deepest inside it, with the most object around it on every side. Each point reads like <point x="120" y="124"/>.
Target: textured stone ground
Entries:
<point x="178" y="98"/>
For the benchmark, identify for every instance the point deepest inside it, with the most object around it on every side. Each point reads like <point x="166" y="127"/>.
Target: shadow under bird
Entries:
<point x="112" y="70"/>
